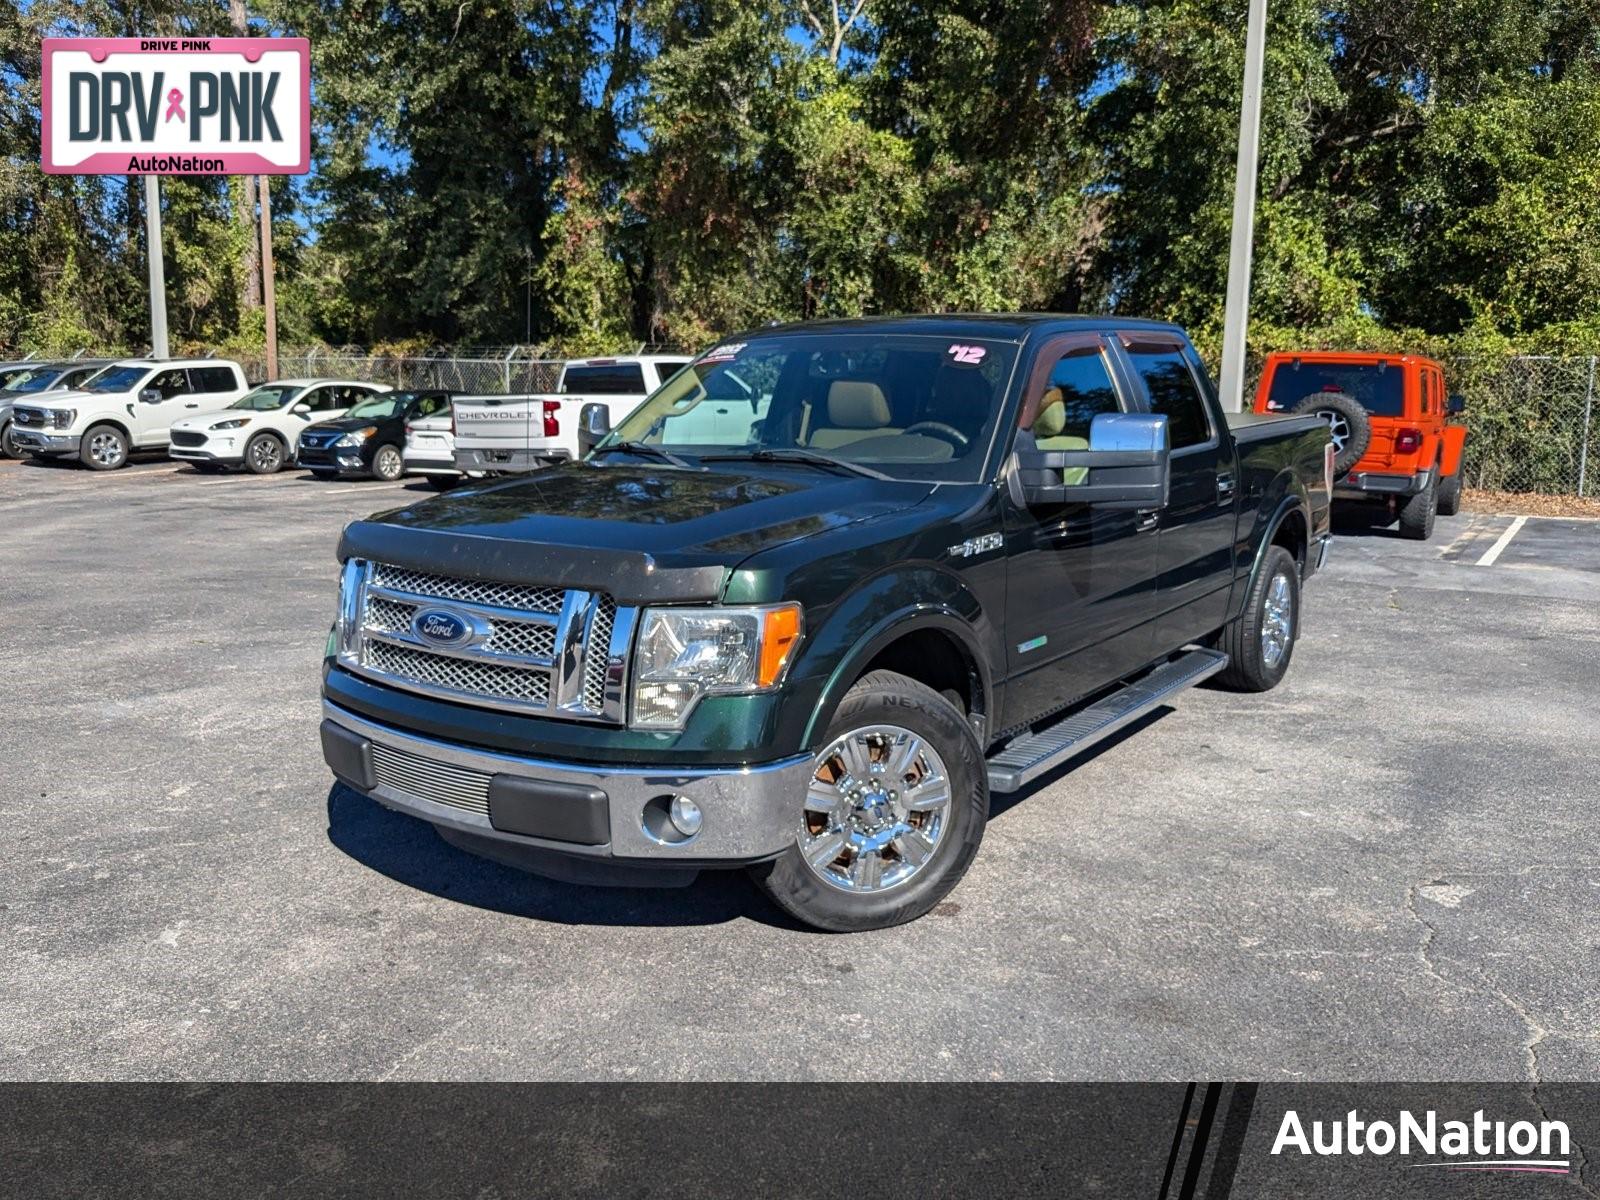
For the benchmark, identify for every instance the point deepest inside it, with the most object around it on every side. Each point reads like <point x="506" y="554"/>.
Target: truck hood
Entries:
<point x="60" y="399"/>
<point x="639" y="532"/>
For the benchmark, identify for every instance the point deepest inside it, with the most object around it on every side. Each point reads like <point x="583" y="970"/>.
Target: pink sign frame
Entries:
<point x="232" y="162"/>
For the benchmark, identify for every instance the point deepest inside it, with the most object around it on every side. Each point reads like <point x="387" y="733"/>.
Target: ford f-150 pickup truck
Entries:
<point x="505" y="434"/>
<point x="941" y="557"/>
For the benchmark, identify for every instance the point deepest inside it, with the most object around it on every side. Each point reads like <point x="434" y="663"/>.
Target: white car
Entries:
<point x="259" y="431"/>
<point x="131" y="405"/>
<point x="430" y="450"/>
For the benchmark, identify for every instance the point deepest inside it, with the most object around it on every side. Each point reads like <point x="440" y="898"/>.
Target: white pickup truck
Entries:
<point x="526" y="432"/>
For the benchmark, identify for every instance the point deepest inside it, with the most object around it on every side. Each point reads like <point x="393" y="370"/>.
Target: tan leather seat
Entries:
<point x="1047" y="435"/>
<point x="857" y="408"/>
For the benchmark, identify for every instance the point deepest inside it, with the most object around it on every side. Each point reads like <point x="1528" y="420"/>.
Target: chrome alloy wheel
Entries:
<point x="1338" y="428"/>
<point x="266" y="454"/>
<point x="1277" y="622"/>
<point x="107" y="449"/>
<point x="876" y="810"/>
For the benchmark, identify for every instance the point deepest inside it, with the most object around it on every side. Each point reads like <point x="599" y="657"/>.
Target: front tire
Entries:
<point x="387" y="465"/>
<point x="1416" y="515"/>
<point x="894" y="813"/>
<point x="8" y="447"/>
<point x="264" y="455"/>
<point x="104" y="448"/>
<point x="1261" y="642"/>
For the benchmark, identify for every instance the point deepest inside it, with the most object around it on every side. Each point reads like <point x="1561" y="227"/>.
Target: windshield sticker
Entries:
<point x="967" y="356"/>
<point x="726" y="353"/>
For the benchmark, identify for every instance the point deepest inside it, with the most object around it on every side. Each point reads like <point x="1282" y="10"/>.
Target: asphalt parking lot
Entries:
<point x="1385" y="869"/>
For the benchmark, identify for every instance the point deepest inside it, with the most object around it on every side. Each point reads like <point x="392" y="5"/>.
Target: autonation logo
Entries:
<point x="1478" y="1145"/>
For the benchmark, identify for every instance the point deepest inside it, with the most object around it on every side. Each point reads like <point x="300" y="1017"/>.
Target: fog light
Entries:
<point x="685" y="815"/>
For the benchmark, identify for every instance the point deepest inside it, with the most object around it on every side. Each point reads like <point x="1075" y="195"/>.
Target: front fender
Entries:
<point x="880" y="612"/>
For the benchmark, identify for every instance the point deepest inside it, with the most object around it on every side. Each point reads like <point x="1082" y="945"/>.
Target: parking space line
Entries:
<point x="1493" y="552"/>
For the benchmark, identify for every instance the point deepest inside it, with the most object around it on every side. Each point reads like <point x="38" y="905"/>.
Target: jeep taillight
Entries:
<point x="1408" y="441"/>
<point x="552" y="425"/>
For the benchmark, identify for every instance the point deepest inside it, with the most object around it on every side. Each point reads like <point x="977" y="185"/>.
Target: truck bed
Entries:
<point x="1250" y="427"/>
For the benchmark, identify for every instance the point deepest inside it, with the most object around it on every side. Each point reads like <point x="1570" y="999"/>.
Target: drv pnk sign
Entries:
<point x="177" y="106"/>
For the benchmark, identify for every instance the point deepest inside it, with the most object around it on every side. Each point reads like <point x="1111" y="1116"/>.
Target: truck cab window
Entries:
<point x="1173" y="394"/>
<point x="608" y="379"/>
<point x="171" y="383"/>
<point x="1079" y="389"/>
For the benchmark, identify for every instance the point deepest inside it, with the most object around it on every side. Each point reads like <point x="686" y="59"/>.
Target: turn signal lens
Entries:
<point x="780" y="633"/>
<point x="552" y="425"/>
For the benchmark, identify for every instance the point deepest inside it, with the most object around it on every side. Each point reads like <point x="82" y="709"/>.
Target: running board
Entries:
<point x="1026" y="758"/>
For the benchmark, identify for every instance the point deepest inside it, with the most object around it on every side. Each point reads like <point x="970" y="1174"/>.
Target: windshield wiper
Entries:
<point x="796" y="455"/>
<point x="645" y="450"/>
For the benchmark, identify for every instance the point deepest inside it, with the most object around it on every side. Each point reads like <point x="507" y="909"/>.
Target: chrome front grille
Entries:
<point x="551" y="651"/>
<point x="443" y="783"/>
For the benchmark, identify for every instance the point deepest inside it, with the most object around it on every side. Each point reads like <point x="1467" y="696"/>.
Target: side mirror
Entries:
<point x="151" y="395"/>
<point x="300" y="410"/>
<point x="1457" y="403"/>
<point x="594" y="422"/>
<point x="1125" y="467"/>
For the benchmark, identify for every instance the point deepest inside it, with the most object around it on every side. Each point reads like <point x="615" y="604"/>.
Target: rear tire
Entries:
<point x="1450" y="496"/>
<point x="904" y="738"/>
<point x="1416" y="514"/>
<point x="1260" y="643"/>
<point x="104" y="448"/>
<point x="1348" y="423"/>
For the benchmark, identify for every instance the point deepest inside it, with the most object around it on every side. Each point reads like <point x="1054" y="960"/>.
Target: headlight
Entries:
<point x="236" y="423"/>
<point x="356" y="436"/>
<point x="62" y="418"/>
<point x="686" y="653"/>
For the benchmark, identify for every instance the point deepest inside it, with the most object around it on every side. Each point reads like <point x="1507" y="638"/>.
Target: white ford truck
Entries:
<point x="526" y="432"/>
<point x="131" y="405"/>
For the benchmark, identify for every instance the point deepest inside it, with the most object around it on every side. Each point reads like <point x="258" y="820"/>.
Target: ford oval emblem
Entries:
<point x="442" y="627"/>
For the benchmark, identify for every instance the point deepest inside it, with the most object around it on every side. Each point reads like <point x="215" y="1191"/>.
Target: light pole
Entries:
<point x="1236" y="317"/>
<point x="158" y="273"/>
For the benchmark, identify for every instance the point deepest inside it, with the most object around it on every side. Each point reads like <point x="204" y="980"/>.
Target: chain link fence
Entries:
<point x="1531" y="421"/>
<point x="491" y="372"/>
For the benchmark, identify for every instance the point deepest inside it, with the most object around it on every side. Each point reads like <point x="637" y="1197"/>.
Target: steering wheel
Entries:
<point x="939" y="429"/>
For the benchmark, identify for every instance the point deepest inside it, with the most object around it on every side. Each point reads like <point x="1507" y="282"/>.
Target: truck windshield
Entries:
<point x="34" y="381"/>
<point x="116" y="379"/>
<point x="909" y="406"/>
<point x="1377" y="387"/>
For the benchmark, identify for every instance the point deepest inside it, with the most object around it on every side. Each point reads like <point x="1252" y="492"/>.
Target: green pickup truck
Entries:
<point x="816" y="599"/>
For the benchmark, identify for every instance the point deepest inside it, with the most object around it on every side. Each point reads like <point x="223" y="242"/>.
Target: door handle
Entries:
<point x="1148" y="518"/>
<point x="1225" y="486"/>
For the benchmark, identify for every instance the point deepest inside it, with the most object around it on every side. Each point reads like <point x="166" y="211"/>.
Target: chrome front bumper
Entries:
<point x="750" y="813"/>
<point x="39" y="442"/>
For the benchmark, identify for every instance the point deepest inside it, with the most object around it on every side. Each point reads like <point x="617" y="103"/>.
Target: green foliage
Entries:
<point x="608" y="171"/>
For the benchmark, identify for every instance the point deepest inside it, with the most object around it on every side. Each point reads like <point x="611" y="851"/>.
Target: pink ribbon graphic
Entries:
<point x="175" y="106"/>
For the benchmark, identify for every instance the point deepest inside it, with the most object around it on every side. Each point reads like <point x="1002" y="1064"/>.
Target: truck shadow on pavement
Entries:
<point x="1001" y="803"/>
<point x="408" y="851"/>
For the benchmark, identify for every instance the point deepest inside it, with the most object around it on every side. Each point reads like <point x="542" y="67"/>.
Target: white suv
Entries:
<point x="260" y="431"/>
<point x="129" y="406"/>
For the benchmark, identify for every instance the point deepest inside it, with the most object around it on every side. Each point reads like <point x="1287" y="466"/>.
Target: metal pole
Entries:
<point x="1588" y="409"/>
<point x="1236" y="317"/>
<point x="158" y="276"/>
<point x="268" y="290"/>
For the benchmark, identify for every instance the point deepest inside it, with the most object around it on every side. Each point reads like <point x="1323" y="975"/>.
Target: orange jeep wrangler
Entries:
<point x="1392" y="443"/>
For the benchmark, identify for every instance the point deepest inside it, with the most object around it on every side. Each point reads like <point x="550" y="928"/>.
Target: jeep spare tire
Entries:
<point x="1347" y="421"/>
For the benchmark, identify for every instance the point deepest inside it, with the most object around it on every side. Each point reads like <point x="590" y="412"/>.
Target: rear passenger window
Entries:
<point x="1173" y="394"/>
<point x="1078" y="390"/>
<point x="213" y="379"/>
<point x="605" y="379"/>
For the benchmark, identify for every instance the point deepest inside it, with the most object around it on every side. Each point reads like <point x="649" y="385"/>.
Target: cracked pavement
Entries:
<point x="1382" y="870"/>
